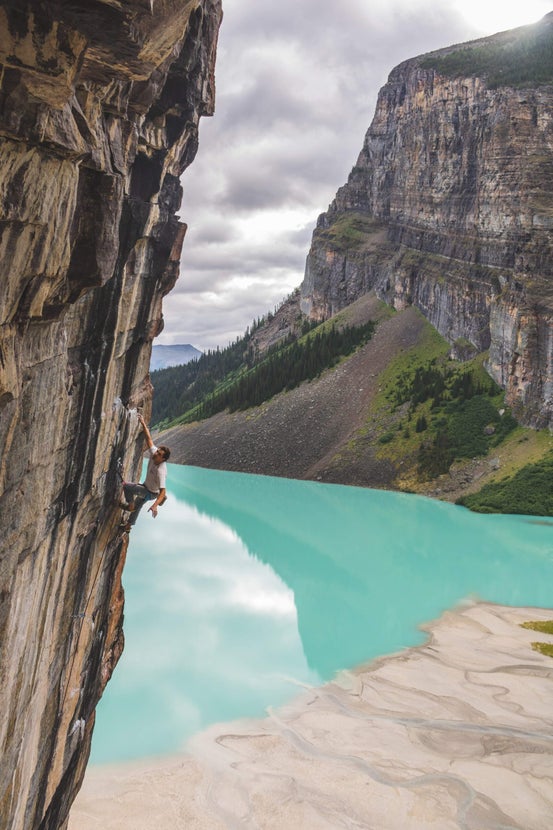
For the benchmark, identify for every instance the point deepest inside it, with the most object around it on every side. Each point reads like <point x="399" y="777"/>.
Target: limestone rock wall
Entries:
<point x="450" y="207"/>
<point x="99" y="110"/>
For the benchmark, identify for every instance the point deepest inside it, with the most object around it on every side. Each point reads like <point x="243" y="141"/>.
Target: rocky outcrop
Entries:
<point x="99" y="110"/>
<point x="450" y="207"/>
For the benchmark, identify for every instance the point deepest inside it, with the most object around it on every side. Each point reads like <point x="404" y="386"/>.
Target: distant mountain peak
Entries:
<point x="174" y="355"/>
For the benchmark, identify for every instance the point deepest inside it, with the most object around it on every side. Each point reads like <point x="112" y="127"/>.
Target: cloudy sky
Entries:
<point x="297" y="83"/>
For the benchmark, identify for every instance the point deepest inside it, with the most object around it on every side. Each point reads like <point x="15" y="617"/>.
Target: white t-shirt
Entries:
<point x="156" y="474"/>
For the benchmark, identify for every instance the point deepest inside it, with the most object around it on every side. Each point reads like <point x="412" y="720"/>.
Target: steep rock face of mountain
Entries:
<point x="99" y="110"/>
<point x="450" y="207"/>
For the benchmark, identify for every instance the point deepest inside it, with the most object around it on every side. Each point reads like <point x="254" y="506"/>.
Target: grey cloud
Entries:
<point x="288" y="170"/>
<point x="301" y="237"/>
<point x="267" y="101"/>
<point x="348" y="36"/>
<point x="211" y="232"/>
<point x="224" y="263"/>
<point x="188" y="322"/>
<point x="213" y="266"/>
<point x="256" y="188"/>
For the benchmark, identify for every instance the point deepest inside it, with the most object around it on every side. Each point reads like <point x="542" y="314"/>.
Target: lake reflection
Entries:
<point x="247" y="586"/>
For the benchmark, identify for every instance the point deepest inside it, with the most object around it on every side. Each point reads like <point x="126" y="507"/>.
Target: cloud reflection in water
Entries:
<point x="211" y="634"/>
<point x="244" y="582"/>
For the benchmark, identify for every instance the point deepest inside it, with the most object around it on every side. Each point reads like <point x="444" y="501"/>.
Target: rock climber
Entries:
<point x="153" y="488"/>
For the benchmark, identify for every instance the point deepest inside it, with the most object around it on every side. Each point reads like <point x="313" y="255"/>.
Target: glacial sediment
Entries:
<point x="453" y="735"/>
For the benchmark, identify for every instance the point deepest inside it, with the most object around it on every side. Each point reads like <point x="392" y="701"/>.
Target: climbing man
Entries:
<point x="153" y="488"/>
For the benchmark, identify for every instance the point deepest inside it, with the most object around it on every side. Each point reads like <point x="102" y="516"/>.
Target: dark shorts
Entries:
<point x="139" y="494"/>
<point x="138" y="491"/>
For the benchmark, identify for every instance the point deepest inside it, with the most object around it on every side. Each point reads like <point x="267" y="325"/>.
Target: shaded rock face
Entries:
<point x="99" y="111"/>
<point x="450" y="207"/>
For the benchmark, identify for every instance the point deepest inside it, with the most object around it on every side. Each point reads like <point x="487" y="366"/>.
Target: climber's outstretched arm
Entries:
<point x="146" y="431"/>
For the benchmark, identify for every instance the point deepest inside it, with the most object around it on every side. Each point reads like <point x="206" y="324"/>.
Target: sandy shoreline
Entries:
<point x="457" y="733"/>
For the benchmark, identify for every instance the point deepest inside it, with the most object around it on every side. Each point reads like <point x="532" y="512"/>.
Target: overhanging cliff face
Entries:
<point x="450" y="207"/>
<point x="99" y="109"/>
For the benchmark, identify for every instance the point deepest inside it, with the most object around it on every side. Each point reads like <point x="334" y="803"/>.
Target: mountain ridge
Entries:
<point x="449" y="207"/>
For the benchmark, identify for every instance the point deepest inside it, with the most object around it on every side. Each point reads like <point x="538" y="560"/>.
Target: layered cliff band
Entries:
<point x="153" y="487"/>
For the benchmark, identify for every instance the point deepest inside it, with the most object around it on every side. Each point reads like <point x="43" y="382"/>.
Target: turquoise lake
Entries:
<point x="247" y="588"/>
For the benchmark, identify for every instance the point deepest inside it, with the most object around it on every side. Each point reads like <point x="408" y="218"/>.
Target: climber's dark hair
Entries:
<point x="166" y="451"/>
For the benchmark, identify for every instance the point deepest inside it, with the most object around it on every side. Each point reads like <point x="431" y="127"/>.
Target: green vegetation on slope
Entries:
<point x="285" y="367"/>
<point x="525" y="59"/>
<point x="457" y="409"/>
<point x="349" y="231"/>
<point x="432" y="411"/>
<point x="179" y="388"/>
<point x="529" y="491"/>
